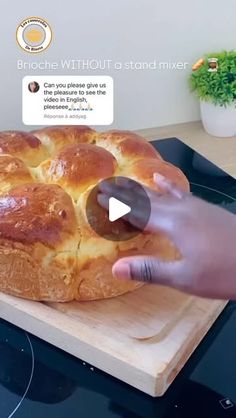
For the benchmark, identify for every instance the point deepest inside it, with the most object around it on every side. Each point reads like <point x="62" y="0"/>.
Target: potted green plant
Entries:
<point x="214" y="81"/>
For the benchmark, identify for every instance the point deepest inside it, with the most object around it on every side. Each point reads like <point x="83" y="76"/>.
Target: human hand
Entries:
<point x="204" y="234"/>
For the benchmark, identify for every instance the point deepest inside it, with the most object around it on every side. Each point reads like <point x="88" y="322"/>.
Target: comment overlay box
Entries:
<point x="67" y="100"/>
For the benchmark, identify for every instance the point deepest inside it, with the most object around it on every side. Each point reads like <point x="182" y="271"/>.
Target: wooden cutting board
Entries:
<point x="143" y="338"/>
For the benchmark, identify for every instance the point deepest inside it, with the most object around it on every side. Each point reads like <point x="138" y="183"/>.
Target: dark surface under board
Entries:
<point x="38" y="381"/>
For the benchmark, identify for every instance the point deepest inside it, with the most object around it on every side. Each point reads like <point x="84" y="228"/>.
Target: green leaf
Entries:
<point x="218" y="87"/>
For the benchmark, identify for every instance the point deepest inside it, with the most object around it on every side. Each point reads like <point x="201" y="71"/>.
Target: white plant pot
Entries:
<point x="218" y="120"/>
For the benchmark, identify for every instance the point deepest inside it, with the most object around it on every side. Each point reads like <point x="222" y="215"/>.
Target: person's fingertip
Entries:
<point x="169" y="186"/>
<point x="158" y="178"/>
<point x="104" y="186"/>
<point x="102" y="200"/>
<point x="122" y="181"/>
<point x="121" y="271"/>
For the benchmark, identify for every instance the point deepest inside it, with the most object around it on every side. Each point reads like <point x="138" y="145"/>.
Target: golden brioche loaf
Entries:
<point x="48" y="251"/>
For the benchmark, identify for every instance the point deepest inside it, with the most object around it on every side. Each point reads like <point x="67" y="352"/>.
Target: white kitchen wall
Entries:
<point x="122" y="30"/>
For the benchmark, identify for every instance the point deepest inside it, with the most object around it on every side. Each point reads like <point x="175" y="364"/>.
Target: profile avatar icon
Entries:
<point x="33" y="87"/>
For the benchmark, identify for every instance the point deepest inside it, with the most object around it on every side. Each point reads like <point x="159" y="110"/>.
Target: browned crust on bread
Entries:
<point x="143" y="171"/>
<point x="92" y="287"/>
<point x="37" y="213"/>
<point x="23" y="145"/>
<point x="25" y="273"/>
<point x="126" y="146"/>
<point x="48" y="251"/>
<point x="78" y="166"/>
<point x="56" y="138"/>
<point x="13" y="171"/>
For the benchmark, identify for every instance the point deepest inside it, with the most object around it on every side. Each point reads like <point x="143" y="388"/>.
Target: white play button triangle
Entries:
<point x="107" y="209"/>
<point x="117" y="209"/>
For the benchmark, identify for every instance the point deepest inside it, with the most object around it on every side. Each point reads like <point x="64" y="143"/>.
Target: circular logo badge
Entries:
<point x="34" y="35"/>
